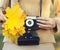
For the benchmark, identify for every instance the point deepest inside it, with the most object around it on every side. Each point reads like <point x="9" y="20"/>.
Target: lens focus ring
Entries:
<point x="29" y="22"/>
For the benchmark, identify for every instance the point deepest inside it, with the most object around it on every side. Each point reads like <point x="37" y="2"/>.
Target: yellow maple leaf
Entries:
<point x="14" y="25"/>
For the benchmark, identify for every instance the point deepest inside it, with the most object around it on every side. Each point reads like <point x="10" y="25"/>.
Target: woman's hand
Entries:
<point x="46" y="23"/>
<point x="2" y="17"/>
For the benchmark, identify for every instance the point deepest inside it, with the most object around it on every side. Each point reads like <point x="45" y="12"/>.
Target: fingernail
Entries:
<point x="5" y="18"/>
<point x="37" y="20"/>
<point x="38" y="23"/>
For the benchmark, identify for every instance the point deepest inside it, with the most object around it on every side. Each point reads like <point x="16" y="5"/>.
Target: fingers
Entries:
<point x="44" y="22"/>
<point x="41" y="18"/>
<point x="43" y="26"/>
<point x="2" y="17"/>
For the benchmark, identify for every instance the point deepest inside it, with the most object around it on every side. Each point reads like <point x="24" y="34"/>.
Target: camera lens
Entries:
<point x="29" y="22"/>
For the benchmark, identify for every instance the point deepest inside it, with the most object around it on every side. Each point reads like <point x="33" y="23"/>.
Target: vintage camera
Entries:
<point x="31" y="36"/>
<point x="31" y="23"/>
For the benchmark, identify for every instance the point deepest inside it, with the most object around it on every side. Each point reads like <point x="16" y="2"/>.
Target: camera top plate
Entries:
<point x="31" y="17"/>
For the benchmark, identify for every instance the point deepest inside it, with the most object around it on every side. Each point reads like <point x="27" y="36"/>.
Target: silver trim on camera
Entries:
<point x="31" y="17"/>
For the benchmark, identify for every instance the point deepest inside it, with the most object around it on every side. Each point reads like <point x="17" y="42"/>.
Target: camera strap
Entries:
<point x="9" y="3"/>
<point x="40" y="8"/>
<point x="18" y="0"/>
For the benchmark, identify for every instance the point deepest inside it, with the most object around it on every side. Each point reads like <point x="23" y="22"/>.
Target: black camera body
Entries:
<point x="30" y="37"/>
<point x="31" y="23"/>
